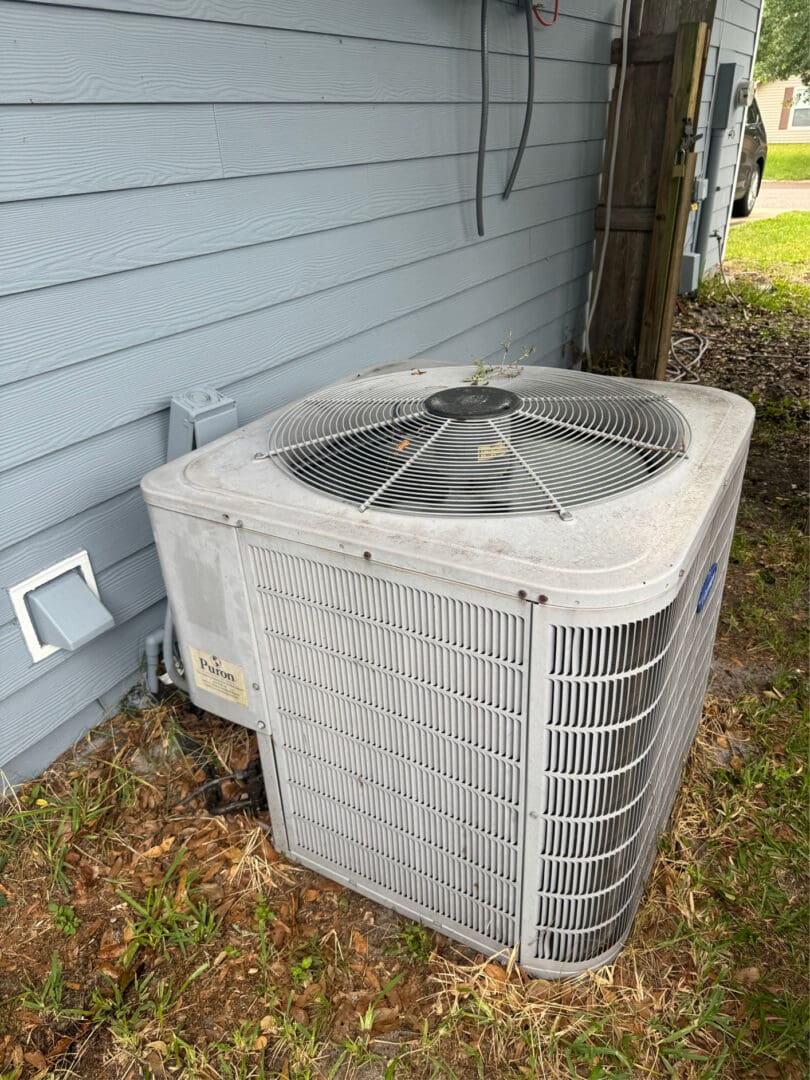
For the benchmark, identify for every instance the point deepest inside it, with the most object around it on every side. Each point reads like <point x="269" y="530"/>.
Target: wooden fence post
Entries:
<point x="675" y="183"/>
<point x="644" y="151"/>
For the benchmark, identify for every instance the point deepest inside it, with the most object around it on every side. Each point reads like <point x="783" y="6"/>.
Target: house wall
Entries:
<point x="772" y="98"/>
<point x="733" y="40"/>
<point x="264" y="197"/>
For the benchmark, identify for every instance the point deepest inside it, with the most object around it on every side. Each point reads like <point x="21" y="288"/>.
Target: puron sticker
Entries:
<point x="219" y="677"/>
<point x="488" y="451"/>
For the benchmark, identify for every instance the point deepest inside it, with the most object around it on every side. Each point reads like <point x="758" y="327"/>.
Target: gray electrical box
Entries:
<point x="726" y="82"/>
<point x="700" y="189"/>
<point x="742" y="95"/>
<point x="196" y="417"/>
<point x="690" y="272"/>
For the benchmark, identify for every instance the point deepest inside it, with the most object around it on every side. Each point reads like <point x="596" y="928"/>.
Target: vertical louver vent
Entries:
<point x="623" y="703"/>
<point x="400" y="715"/>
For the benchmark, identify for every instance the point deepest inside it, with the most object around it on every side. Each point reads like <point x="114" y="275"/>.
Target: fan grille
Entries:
<point x="567" y="439"/>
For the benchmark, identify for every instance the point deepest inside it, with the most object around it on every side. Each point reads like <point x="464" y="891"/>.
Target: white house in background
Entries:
<point x="785" y="108"/>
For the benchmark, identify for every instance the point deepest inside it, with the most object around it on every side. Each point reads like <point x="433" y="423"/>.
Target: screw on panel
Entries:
<point x="366" y="554"/>
<point x="255" y="685"/>
<point x="541" y="599"/>
<point x="522" y="594"/>
<point x="261" y="725"/>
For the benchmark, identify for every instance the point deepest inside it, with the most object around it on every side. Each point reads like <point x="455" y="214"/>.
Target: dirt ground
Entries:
<point x="144" y="938"/>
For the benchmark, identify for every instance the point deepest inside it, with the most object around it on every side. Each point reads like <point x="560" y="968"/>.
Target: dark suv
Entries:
<point x="752" y="162"/>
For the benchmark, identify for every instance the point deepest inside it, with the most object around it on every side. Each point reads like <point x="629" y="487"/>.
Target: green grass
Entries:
<point x="171" y="915"/>
<point x="769" y="263"/>
<point x="770" y="610"/>
<point x="777" y="297"/>
<point x="788" y="161"/>
<point x="777" y="245"/>
<point x="52" y="823"/>
<point x="47" y="998"/>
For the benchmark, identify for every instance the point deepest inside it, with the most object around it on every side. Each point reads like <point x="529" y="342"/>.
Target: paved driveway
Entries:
<point x="777" y="196"/>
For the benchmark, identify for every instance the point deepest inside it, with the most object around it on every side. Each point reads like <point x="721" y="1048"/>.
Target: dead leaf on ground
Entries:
<point x="359" y="943"/>
<point x="158" y="849"/>
<point x="747" y="976"/>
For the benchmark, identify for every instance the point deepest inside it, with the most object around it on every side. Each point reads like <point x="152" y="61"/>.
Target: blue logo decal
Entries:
<point x="706" y="588"/>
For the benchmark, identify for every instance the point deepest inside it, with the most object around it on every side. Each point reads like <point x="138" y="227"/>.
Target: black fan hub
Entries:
<point x="472" y="403"/>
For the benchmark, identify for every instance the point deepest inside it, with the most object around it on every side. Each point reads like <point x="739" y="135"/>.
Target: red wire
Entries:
<point x="540" y="18"/>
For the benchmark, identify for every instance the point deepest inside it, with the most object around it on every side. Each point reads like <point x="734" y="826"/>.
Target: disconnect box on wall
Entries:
<point x="690" y="272"/>
<point x="197" y="417"/>
<point x="59" y="608"/>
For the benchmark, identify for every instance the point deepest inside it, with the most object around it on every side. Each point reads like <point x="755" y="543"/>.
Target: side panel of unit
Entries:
<point x="202" y="568"/>
<point x="398" y="714"/>
<point x="621" y="701"/>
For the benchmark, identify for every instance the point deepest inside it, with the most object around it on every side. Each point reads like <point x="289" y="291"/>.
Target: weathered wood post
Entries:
<point x="652" y="187"/>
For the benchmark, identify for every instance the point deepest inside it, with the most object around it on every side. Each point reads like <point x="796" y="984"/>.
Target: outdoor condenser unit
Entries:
<point x="472" y="627"/>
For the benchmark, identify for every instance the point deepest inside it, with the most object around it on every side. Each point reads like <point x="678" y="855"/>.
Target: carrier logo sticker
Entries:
<point x="488" y="451"/>
<point x="219" y="677"/>
<point x="706" y="588"/>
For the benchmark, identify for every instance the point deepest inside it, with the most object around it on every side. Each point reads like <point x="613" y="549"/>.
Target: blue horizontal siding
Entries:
<point x="36" y="757"/>
<point x="74" y="149"/>
<point x="116" y="231"/>
<point x="420" y="22"/>
<point x="64" y="325"/>
<point x="64" y="55"/>
<point x="127" y="587"/>
<point x="220" y="191"/>
<point x="110" y="531"/>
<point x="60" y="408"/>
<point x="54" y="697"/>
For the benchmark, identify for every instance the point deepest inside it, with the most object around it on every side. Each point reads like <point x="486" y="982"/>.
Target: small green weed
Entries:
<point x="65" y="918"/>
<point x="413" y="942"/>
<point x="171" y="915"/>
<point x="302" y="969"/>
<point x="265" y="918"/>
<point x="300" y="1044"/>
<point x="504" y="369"/>
<point x="740" y="548"/>
<point x="308" y="961"/>
<point x="48" y="998"/>
<point x="786" y="413"/>
<point x="125" y="1008"/>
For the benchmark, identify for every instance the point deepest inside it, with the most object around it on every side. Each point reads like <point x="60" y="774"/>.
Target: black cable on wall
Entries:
<point x="482" y="133"/>
<point x="527" y="116"/>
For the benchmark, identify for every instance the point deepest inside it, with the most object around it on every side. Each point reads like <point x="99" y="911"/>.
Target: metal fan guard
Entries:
<point x="569" y="439"/>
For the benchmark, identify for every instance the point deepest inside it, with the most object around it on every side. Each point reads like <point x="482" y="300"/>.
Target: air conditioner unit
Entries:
<point x="472" y="627"/>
